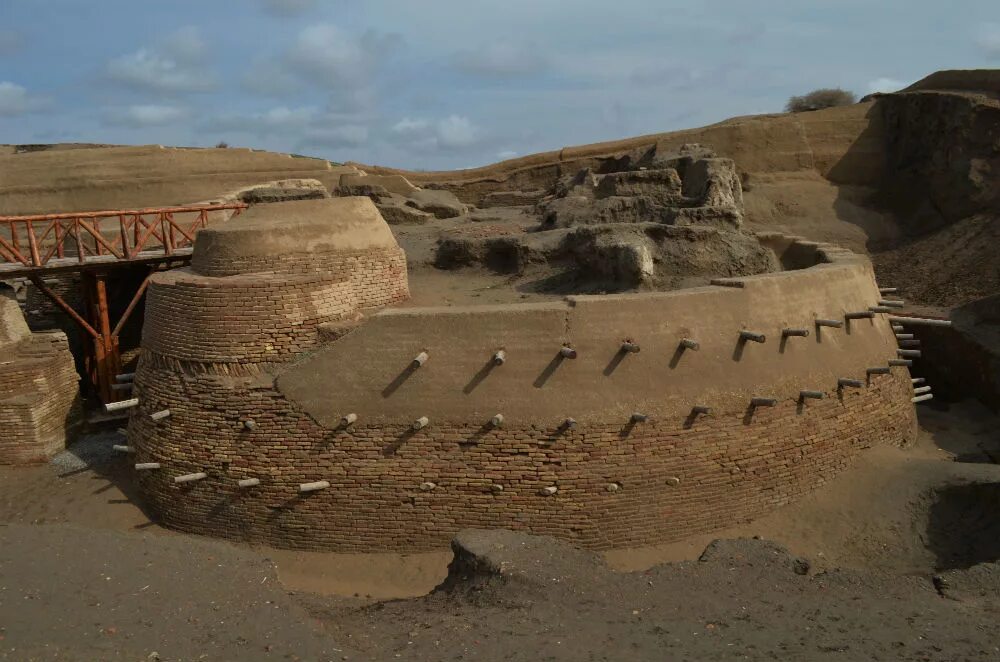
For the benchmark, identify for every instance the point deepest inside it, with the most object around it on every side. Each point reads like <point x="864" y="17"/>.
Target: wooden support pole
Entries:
<point x="147" y="466"/>
<point x="926" y="321"/>
<point x="909" y="353"/>
<point x="814" y="395"/>
<point x="315" y="486"/>
<point x="420" y="423"/>
<point x="905" y="336"/>
<point x="131" y="306"/>
<point x="567" y="352"/>
<point x="700" y="410"/>
<point x="900" y="363"/>
<point x="800" y="333"/>
<point x="922" y="398"/>
<point x="191" y="478"/>
<point x="836" y="324"/>
<point x="763" y="402"/>
<point x="248" y="482"/>
<point x="693" y="345"/>
<point x="121" y="405"/>
<point x="843" y="382"/>
<point x="569" y="423"/>
<point x="348" y="420"/>
<point x="864" y="314"/>
<point x="497" y="420"/>
<point x="888" y="290"/>
<point x="880" y="370"/>
<point x="891" y="303"/>
<point x="920" y="390"/>
<point x="629" y="347"/>
<point x="65" y="307"/>
<point x="160" y="415"/>
<point x="420" y="359"/>
<point x="500" y="357"/>
<point x="750" y="335"/>
<point x="122" y="448"/>
<point x="125" y="377"/>
<point x="909" y="343"/>
<point x="638" y="417"/>
<point x="918" y="380"/>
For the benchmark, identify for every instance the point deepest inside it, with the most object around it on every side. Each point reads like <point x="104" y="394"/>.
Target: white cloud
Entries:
<point x="185" y="45"/>
<point x="407" y="126"/>
<point x="454" y="132"/>
<point x="348" y="135"/>
<point x="885" y="85"/>
<point x="276" y="120"/>
<point x="175" y="65"/>
<point x="15" y="100"/>
<point x="988" y="40"/>
<point x="141" y="116"/>
<point x="331" y="57"/>
<point x="308" y="125"/>
<point x="502" y="59"/>
<point x="288" y="7"/>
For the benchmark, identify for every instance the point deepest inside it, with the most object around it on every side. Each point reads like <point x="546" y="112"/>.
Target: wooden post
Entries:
<point x="107" y="362"/>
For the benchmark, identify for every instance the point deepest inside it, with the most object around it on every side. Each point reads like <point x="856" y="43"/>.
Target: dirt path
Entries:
<point x="85" y="575"/>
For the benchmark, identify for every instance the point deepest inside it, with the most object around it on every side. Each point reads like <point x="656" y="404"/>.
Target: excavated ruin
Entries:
<point x="644" y="220"/>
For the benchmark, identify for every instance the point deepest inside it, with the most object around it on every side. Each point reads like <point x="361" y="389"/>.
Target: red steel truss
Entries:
<point x="29" y="243"/>
<point x="94" y="244"/>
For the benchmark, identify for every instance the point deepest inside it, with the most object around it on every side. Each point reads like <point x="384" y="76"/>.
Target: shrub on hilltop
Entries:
<point x="827" y="97"/>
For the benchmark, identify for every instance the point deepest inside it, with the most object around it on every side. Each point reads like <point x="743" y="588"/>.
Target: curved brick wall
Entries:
<point x="254" y="318"/>
<point x="617" y="483"/>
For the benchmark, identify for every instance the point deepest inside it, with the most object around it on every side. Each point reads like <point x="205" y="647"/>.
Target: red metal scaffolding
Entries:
<point x="95" y="244"/>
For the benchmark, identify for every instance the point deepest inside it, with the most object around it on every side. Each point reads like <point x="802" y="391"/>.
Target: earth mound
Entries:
<point x="690" y="187"/>
<point x="648" y="219"/>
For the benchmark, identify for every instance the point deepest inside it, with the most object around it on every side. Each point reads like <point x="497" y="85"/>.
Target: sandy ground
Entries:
<point x="85" y="575"/>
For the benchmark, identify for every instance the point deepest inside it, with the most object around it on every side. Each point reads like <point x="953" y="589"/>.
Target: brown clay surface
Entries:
<point x="84" y="575"/>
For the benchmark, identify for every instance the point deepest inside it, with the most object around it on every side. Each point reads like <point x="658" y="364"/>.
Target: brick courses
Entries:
<point x="39" y="398"/>
<point x="215" y="344"/>
<point x="729" y="470"/>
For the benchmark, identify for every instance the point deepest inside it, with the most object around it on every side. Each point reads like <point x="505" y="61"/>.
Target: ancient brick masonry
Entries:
<point x="256" y="390"/>
<point x="655" y="482"/>
<point x="39" y="393"/>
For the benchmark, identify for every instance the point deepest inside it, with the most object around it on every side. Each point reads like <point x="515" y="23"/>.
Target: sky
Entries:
<point x="441" y="84"/>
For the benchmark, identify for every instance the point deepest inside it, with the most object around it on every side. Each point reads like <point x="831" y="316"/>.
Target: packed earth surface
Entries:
<point x="894" y="560"/>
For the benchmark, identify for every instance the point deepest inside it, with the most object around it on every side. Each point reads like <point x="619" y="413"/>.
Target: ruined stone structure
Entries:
<point x="275" y="406"/>
<point x="39" y="403"/>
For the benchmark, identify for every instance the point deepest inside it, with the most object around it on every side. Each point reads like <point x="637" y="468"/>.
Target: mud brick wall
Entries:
<point x="618" y="485"/>
<point x="241" y="413"/>
<point x="379" y="274"/>
<point x="245" y="319"/>
<point x="39" y="399"/>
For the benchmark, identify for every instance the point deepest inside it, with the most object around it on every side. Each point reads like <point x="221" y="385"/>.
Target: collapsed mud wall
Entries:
<point x="567" y="457"/>
<point x="39" y="397"/>
<point x="942" y="162"/>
